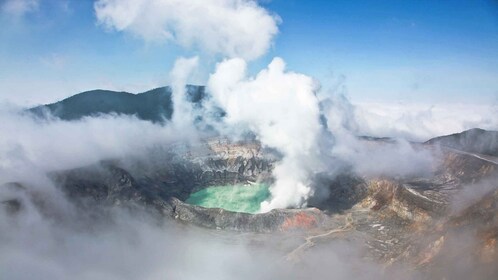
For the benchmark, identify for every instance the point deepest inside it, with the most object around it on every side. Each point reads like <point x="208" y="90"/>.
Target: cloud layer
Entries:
<point x="232" y="28"/>
<point x="420" y="122"/>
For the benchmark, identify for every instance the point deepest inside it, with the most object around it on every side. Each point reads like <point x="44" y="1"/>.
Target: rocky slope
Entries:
<point x="473" y="140"/>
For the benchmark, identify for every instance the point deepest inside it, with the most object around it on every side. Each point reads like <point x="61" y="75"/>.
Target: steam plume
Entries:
<point x="281" y="108"/>
<point x="182" y="110"/>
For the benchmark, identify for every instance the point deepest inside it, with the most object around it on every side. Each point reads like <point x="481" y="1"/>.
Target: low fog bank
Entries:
<point x="37" y="145"/>
<point x="51" y="238"/>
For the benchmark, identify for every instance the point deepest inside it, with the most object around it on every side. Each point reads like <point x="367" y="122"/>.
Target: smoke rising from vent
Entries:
<point x="182" y="109"/>
<point x="281" y="108"/>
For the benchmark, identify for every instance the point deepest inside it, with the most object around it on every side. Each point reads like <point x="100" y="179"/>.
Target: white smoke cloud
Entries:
<point x="281" y="108"/>
<point x="233" y="28"/>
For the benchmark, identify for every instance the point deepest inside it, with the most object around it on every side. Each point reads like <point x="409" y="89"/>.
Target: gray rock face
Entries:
<point x="473" y="141"/>
<point x="275" y="220"/>
<point x="161" y="186"/>
<point x="175" y="172"/>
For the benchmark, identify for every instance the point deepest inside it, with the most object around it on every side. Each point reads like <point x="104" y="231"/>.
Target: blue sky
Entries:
<point x="385" y="51"/>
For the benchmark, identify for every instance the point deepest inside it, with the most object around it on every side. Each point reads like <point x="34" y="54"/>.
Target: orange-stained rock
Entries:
<point x="300" y="220"/>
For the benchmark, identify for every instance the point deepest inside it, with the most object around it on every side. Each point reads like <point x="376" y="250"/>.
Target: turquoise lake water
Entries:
<point x="238" y="198"/>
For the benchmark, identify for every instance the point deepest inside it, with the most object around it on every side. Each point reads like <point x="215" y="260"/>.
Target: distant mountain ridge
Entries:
<point x="154" y="105"/>
<point x="474" y="140"/>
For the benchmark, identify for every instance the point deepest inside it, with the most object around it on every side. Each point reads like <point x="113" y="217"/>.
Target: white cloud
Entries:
<point x="28" y="145"/>
<point x="233" y="28"/>
<point x="19" y="8"/>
